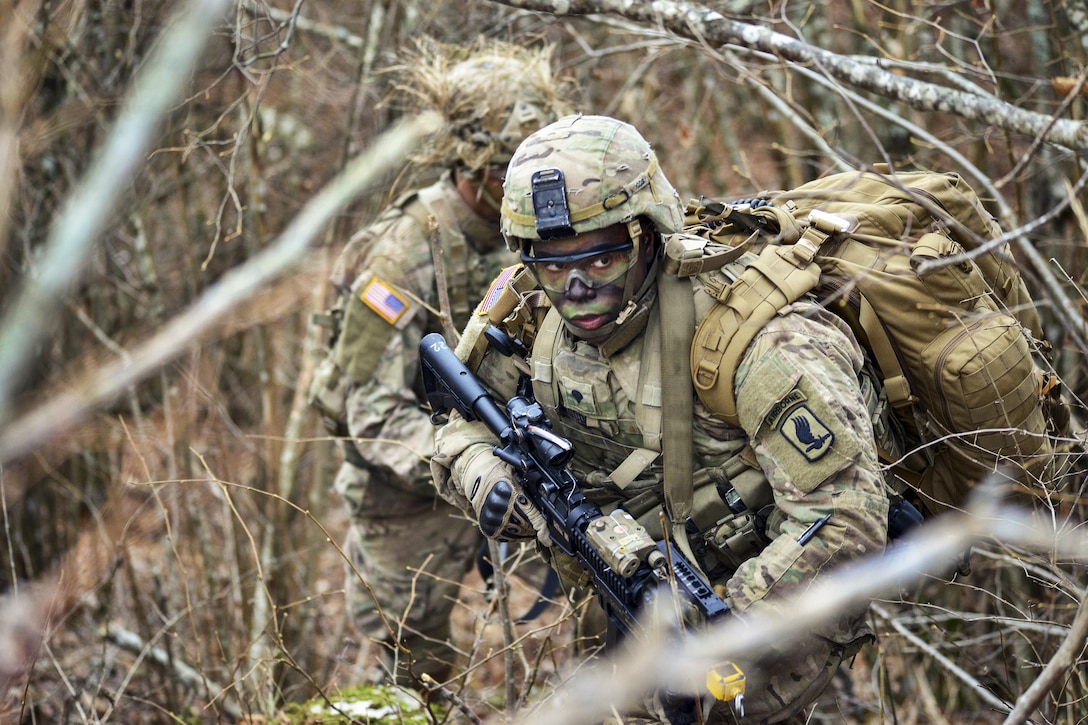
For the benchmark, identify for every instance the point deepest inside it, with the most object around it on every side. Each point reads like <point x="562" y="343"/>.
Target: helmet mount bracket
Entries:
<point x="549" y="190"/>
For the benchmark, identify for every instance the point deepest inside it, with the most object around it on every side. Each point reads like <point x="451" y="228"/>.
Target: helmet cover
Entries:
<point x="609" y="172"/>
<point x="491" y="94"/>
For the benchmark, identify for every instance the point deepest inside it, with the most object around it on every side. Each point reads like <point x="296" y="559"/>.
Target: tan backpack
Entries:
<point x="955" y="344"/>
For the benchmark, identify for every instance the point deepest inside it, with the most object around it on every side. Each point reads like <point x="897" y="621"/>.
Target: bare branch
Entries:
<point x="87" y="212"/>
<point x="1058" y="667"/>
<point x="698" y="22"/>
<point x="240" y="284"/>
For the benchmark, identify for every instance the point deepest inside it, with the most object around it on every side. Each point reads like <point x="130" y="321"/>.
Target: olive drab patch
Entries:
<point x="796" y="422"/>
<point x="384" y="300"/>
<point x="807" y="433"/>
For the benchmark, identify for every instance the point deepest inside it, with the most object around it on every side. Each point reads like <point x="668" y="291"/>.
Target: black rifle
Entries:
<point x="625" y="574"/>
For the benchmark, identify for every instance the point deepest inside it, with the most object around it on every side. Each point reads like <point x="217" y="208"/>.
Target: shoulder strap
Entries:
<point x="678" y="447"/>
<point x="545" y="387"/>
<point x="777" y="278"/>
<point x="453" y="244"/>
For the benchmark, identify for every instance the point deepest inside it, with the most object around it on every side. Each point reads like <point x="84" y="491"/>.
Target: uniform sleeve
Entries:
<point x="390" y="428"/>
<point x="389" y="425"/>
<point x="800" y="403"/>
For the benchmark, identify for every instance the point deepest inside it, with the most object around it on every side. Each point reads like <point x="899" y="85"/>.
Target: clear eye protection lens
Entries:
<point x="593" y="269"/>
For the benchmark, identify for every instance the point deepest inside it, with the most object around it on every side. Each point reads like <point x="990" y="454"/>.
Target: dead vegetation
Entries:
<point x="170" y="540"/>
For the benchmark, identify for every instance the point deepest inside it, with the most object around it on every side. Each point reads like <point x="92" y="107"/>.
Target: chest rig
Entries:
<point x="615" y="409"/>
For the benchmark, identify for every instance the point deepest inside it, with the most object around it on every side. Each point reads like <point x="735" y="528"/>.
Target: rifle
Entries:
<point x="626" y="566"/>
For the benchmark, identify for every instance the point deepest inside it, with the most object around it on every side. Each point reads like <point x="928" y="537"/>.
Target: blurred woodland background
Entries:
<point x="169" y="546"/>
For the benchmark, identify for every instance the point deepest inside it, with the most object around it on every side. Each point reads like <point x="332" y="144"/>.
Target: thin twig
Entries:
<point x="940" y="659"/>
<point x="450" y="696"/>
<point x="1059" y="666"/>
<point x="59" y="413"/>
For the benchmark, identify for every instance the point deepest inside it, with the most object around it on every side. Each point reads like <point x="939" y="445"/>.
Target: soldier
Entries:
<point x="408" y="546"/>
<point x="793" y="491"/>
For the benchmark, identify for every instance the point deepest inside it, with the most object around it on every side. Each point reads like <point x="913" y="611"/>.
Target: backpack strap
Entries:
<point x="896" y="383"/>
<point x="441" y="218"/>
<point x="687" y="255"/>
<point x="778" y="277"/>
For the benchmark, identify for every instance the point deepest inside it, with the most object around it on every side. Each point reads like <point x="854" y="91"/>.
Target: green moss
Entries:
<point x="374" y="705"/>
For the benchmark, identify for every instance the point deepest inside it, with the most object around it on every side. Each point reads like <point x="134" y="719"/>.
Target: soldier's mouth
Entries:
<point x="590" y="322"/>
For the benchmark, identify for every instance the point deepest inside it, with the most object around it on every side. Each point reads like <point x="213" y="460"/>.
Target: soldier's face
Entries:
<point x="584" y="276"/>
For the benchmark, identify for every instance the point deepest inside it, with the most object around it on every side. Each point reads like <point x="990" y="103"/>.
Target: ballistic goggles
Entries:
<point x="595" y="268"/>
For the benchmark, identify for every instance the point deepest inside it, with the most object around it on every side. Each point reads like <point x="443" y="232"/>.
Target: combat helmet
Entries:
<point x="584" y="173"/>
<point x="610" y="176"/>
<point x="491" y="95"/>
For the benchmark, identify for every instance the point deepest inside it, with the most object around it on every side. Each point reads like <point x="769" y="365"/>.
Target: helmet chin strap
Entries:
<point x="634" y="230"/>
<point x="632" y="320"/>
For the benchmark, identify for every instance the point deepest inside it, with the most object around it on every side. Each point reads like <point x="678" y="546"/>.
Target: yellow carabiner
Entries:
<point x="726" y="682"/>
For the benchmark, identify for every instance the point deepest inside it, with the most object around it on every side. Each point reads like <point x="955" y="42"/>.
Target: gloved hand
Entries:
<point x="502" y="509"/>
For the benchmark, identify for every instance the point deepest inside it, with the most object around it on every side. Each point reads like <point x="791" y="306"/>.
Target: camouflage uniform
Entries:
<point x="804" y="449"/>
<point x="408" y="548"/>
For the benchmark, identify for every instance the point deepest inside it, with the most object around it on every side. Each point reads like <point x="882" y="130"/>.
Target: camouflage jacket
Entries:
<point x="368" y="386"/>
<point x="804" y="450"/>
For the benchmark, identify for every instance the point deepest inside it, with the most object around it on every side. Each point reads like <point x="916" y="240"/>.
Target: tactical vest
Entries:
<point x="613" y="411"/>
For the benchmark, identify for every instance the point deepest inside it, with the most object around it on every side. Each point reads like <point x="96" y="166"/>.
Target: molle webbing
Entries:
<point x="648" y="399"/>
<point x="777" y="278"/>
<point x="519" y="311"/>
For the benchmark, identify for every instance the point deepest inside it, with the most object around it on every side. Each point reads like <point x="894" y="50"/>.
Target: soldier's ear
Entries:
<point x="650" y="243"/>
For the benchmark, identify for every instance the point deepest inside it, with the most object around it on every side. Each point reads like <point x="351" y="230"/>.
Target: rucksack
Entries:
<point x="949" y="325"/>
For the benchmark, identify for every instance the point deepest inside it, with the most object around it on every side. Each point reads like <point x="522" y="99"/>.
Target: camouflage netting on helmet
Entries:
<point x="611" y="173"/>
<point x="492" y="95"/>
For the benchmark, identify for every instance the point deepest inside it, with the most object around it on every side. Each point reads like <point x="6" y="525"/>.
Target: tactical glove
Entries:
<point x="502" y="509"/>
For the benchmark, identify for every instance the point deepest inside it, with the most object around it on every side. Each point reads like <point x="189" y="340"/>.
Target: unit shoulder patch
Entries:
<point x="773" y="418"/>
<point x="807" y="433"/>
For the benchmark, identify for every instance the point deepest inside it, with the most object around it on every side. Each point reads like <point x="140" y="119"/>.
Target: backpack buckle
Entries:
<point x="830" y="223"/>
<point x="821" y="227"/>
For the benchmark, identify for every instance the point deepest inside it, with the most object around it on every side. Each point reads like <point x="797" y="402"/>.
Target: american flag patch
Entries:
<point x="381" y="298"/>
<point x="495" y="291"/>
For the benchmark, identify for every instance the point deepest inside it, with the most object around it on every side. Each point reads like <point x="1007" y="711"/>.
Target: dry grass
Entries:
<point x="174" y="557"/>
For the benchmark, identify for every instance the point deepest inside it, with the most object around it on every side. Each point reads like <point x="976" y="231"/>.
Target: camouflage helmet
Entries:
<point x="609" y="175"/>
<point x="492" y="95"/>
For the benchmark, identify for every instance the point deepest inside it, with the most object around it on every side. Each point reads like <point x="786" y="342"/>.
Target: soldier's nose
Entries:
<point x="578" y="290"/>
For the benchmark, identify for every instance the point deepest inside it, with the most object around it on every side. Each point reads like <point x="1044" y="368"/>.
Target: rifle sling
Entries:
<point x="677" y="330"/>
